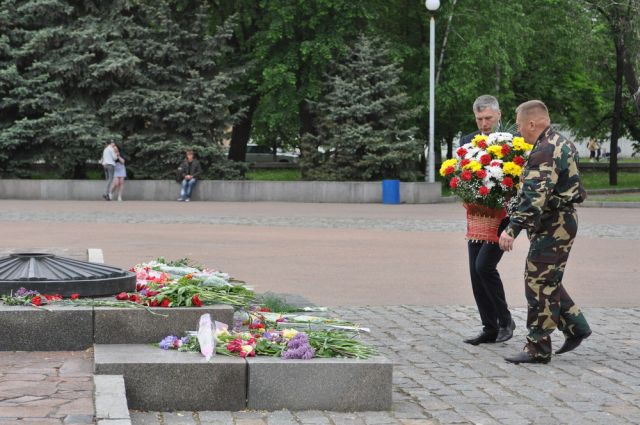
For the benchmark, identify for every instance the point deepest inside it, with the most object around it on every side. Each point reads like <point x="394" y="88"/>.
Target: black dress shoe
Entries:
<point x="572" y="343"/>
<point x="524" y="357"/>
<point x="506" y="333"/>
<point x="482" y="338"/>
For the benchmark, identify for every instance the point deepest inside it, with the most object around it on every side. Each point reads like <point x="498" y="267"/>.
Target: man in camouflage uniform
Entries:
<point x="550" y="186"/>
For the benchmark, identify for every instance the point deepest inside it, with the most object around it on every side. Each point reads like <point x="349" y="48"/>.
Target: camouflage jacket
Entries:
<point x="549" y="182"/>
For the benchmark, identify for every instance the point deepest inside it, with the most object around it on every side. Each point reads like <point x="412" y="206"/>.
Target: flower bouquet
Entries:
<point x="485" y="174"/>
<point x="177" y="284"/>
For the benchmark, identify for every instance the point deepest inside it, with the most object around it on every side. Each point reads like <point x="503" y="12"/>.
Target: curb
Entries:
<point x="111" y="400"/>
<point x="605" y="204"/>
<point x="109" y="396"/>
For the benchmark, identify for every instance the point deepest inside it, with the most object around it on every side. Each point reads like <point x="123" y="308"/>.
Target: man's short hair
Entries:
<point x="485" y="101"/>
<point x="532" y="107"/>
<point x="189" y="152"/>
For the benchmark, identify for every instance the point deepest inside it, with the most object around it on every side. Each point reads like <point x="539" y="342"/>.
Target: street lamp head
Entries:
<point x="432" y="5"/>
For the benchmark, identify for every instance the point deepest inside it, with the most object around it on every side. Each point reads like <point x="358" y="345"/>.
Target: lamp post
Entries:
<point x="432" y="6"/>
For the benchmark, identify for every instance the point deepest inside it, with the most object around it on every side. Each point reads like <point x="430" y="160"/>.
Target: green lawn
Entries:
<point x="274" y="174"/>
<point x="600" y="180"/>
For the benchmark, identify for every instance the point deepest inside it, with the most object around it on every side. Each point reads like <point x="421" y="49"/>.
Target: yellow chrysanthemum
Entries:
<point x="495" y="151"/>
<point x="473" y="166"/>
<point x="289" y="333"/>
<point x="446" y="164"/>
<point x="521" y="145"/>
<point x="512" y="169"/>
<point x="477" y="138"/>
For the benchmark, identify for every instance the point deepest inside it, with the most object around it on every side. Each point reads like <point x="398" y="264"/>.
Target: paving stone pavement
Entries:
<point x="46" y="388"/>
<point x="440" y="380"/>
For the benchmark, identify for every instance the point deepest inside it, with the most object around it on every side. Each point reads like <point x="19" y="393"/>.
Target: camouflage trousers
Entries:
<point x="549" y="304"/>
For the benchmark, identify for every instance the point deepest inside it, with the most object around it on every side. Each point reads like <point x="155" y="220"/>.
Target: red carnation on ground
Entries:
<point x="36" y="300"/>
<point x="505" y="149"/>
<point x="485" y="159"/>
<point x="256" y="325"/>
<point x="153" y="303"/>
<point x="481" y="174"/>
<point x="461" y="152"/>
<point x="165" y="302"/>
<point x="122" y="296"/>
<point x="507" y="182"/>
<point x="519" y="160"/>
<point x="466" y="175"/>
<point x="454" y="183"/>
<point x="484" y="190"/>
<point x="134" y="298"/>
<point x="74" y="296"/>
<point x="195" y="300"/>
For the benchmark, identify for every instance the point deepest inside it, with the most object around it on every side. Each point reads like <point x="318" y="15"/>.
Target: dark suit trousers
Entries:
<point x="487" y="286"/>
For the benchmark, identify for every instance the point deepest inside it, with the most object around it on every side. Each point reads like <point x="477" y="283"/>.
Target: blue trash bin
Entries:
<point x="390" y="191"/>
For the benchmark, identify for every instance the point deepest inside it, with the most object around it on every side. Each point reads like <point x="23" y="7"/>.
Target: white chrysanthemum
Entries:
<point x="499" y="137"/>
<point x="472" y="153"/>
<point x="495" y="173"/>
<point x="488" y="182"/>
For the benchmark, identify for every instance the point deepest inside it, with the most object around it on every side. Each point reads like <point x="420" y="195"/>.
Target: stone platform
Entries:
<point x="170" y="380"/>
<point x="70" y="328"/>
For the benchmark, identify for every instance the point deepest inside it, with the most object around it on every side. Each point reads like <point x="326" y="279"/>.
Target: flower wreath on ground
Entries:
<point x="485" y="174"/>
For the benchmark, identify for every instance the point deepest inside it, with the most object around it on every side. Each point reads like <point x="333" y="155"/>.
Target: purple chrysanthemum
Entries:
<point x="299" y="348"/>
<point x="168" y="342"/>
<point x="23" y="292"/>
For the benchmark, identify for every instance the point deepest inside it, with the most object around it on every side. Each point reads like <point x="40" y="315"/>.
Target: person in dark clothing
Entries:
<point x="497" y="324"/>
<point x="188" y="174"/>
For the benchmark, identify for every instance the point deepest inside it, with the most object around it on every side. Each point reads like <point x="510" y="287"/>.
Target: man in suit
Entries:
<point x="497" y="324"/>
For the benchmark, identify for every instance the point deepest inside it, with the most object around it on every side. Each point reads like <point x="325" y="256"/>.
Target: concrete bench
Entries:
<point x="69" y="328"/>
<point x="170" y="380"/>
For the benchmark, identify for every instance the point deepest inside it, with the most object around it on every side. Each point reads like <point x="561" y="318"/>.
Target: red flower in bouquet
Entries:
<point x="74" y="296"/>
<point x="485" y="159"/>
<point x="195" y="300"/>
<point x="466" y="175"/>
<point x="134" y="298"/>
<point x="37" y="300"/>
<point x="518" y="160"/>
<point x="506" y="149"/>
<point x="484" y="190"/>
<point x="165" y="302"/>
<point x="461" y="152"/>
<point x="481" y="174"/>
<point x="507" y="182"/>
<point x="122" y="296"/>
<point x="454" y="183"/>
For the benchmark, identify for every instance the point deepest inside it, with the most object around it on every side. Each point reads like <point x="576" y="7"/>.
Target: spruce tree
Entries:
<point x="148" y="74"/>
<point x="363" y="121"/>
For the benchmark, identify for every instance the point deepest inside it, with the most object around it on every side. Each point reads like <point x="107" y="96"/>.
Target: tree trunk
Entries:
<point x="632" y="79"/>
<point x="241" y="133"/>
<point x="617" y="111"/>
<point x="449" y="139"/>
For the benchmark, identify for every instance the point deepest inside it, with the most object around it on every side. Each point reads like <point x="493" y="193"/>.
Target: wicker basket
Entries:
<point x="483" y="222"/>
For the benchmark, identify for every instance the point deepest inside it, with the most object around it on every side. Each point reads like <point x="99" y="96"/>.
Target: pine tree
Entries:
<point x="362" y="121"/>
<point x="74" y="74"/>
